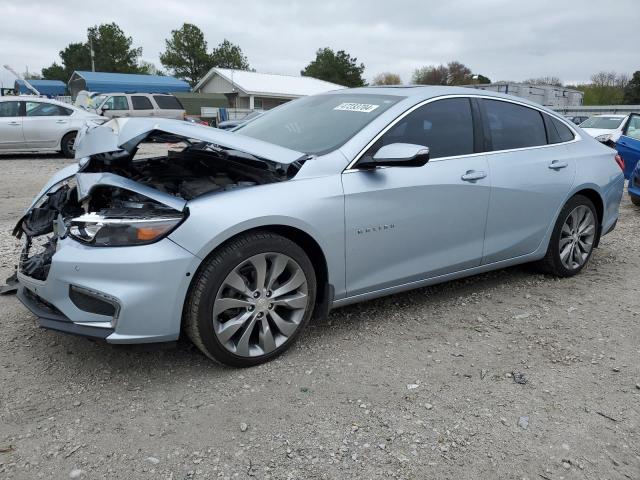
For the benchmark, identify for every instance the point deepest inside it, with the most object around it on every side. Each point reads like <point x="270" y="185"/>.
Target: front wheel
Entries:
<point x="251" y="299"/>
<point x="573" y="238"/>
<point x="635" y="200"/>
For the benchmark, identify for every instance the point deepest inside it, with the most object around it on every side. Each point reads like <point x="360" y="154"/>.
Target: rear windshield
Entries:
<point x="320" y="123"/>
<point x="167" y="102"/>
<point x="605" y="123"/>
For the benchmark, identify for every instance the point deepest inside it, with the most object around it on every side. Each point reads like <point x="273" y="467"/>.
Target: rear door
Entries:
<point x="628" y="144"/>
<point x="531" y="173"/>
<point x="169" y="107"/>
<point x="11" y="136"/>
<point x="44" y="124"/>
<point x="141" y="106"/>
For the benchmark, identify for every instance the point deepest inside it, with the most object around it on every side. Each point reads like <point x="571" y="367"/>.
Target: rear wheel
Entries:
<point x="635" y="199"/>
<point x="251" y="299"/>
<point x="68" y="145"/>
<point x="573" y="238"/>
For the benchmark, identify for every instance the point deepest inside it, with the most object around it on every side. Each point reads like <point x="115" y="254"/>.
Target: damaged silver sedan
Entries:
<point x="237" y="239"/>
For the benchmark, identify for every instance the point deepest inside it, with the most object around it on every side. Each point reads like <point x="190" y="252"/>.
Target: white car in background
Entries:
<point x="605" y="128"/>
<point x="32" y="124"/>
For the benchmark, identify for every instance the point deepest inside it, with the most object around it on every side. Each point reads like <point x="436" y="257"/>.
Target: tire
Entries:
<point x="635" y="200"/>
<point x="67" y="145"/>
<point x="241" y="318"/>
<point x="570" y="235"/>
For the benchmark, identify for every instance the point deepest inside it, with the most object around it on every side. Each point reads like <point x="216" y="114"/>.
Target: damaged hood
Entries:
<point x="126" y="133"/>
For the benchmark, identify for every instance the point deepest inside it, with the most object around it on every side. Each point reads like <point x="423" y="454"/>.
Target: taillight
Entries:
<point x="620" y="161"/>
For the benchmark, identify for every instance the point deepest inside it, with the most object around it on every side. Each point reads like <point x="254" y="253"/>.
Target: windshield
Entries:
<point x="605" y="123"/>
<point x="320" y="123"/>
<point x="96" y="100"/>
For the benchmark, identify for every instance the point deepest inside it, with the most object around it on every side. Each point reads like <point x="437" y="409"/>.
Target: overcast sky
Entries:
<point x="502" y="39"/>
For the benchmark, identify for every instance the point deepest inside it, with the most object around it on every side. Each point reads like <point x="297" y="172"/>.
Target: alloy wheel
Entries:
<point x="576" y="237"/>
<point x="260" y="304"/>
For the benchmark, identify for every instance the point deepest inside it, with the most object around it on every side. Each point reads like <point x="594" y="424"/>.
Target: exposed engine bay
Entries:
<point x="112" y="216"/>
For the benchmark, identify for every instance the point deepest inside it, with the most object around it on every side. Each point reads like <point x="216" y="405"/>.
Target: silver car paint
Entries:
<point x="345" y="211"/>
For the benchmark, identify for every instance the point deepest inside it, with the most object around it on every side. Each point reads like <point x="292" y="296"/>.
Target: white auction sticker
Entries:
<point x="357" y="107"/>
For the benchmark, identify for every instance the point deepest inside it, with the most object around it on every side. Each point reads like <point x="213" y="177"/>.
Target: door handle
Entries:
<point x="13" y="123"/>
<point x="473" y="175"/>
<point x="61" y="121"/>
<point x="557" y="165"/>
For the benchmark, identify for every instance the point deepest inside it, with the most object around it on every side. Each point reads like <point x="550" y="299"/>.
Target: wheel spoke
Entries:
<point x="278" y="265"/>
<point x="566" y="229"/>
<point x="243" y="348"/>
<point x="230" y="327"/>
<point x="564" y="241"/>
<point x="294" y="282"/>
<point x="285" y="327"/>
<point x="295" y="301"/>
<point x="235" y="281"/>
<point x="564" y="254"/>
<point x="259" y="263"/>
<point x="224" y="304"/>
<point x="265" y="338"/>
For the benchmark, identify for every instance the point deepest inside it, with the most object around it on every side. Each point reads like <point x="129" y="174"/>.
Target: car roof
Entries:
<point x="613" y="115"/>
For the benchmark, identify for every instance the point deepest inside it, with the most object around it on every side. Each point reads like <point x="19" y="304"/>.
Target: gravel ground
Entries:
<point x="504" y="375"/>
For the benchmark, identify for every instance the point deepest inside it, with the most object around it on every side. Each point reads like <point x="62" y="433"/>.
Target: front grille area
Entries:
<point x="35" y="258"/>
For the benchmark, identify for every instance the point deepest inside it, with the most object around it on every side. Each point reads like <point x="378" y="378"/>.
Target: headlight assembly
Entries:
<point x="98" y="230"/>
<point x="604" y="138"/>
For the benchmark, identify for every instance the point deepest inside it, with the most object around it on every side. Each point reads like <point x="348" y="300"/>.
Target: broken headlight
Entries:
<point x="101" y="231"/>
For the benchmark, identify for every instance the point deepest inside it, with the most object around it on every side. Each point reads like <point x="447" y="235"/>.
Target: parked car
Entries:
<point x="158" y="105"/>
<point x="241" y="237"/>
<point x="628" y="146"/>
<point x="229" y="124"/>
<point x="32" y="124"/>
<point x="605" y="128"/>
<point x="578" y="119"/>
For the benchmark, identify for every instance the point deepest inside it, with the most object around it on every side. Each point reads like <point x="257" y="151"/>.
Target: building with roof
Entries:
<point x="106" y="82"/>
<point x="49" y="88"/>
<point x="261" y="91"/>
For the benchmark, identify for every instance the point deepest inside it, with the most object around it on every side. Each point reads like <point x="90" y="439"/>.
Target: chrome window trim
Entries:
<point x="576" y="136"/>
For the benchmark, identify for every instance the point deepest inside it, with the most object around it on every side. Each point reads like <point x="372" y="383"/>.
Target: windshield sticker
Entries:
<point x="357" y="107"/>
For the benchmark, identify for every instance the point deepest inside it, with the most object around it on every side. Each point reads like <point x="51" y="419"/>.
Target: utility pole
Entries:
<point x="93" y="63"/>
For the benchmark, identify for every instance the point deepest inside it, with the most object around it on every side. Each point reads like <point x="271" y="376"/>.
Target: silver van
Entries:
<point x="161" y="105"/>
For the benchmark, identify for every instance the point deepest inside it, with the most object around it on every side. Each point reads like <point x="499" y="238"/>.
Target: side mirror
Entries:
<point x="397" y="155"/>
<point x="104" y="108"/>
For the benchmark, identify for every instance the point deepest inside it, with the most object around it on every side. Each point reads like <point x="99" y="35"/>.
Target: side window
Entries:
<point x="168" y="102"/>
<point x="39" y="109"/>
<point x="445" y="126"/>
<point x="514" y="126"/>
<point x="9" y="109"/>
<point x="557" y="132"/>
<point x="117" y="103"/>
<point x="633" y="127"/>
<point x="141" y="103"/>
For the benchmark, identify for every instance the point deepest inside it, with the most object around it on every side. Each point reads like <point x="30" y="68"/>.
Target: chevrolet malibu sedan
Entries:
<point x="33" y="124"/>
<point x="237" y="239"/>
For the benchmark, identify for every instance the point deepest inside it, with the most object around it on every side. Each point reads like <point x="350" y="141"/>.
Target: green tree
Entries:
<point x="113" y="50"/>
<point x="55" y="72"/>
<point x="453" y="73"/>
<point x="606" y="88"/>
<point x="186" y="54"/>
<point x="632" y="90"/>
<point x="229" y="55"/>
<point x="336" y="67"/>
<point x="387" y="78"/>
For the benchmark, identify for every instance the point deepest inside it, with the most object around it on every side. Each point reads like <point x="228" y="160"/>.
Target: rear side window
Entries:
<point x="514" y="126"/>
<point x="39" y="109"/>
<point x="141" y="103"/>
<point x="167" y="102"/>
<point x="445" y="126"/>
<point x="632" y="129"/>
<point x="557" y="132"/>
<point x="9" y="109"/>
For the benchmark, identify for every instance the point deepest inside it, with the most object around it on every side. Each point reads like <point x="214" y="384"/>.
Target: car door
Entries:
<point x="404" y="224"/>
<point x="531" y="176"/>
<point x="169" y="107"/>
<point x="141" y="106"/>
<point x="44" y="124"/>
<point x="116" y="106"/>
<point x="11" y="135"/>
<point x="628" y="145"/>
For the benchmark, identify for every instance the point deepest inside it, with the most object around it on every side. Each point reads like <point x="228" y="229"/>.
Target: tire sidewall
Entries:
<point x="63" y="144"/>
<point x="225" y="261"/>
<point x="554" y="245"/>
